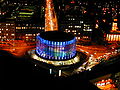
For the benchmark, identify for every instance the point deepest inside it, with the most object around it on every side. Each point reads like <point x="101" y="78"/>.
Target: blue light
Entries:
<point x="52" y="43"/>
<point x="55" y="50"/>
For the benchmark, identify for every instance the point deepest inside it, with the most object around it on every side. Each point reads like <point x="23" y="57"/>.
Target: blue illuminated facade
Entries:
<point x="55" y="50"/>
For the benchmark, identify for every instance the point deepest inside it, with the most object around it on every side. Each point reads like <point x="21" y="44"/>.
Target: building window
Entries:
<point x="12" y="24"/>
<point x="12" y="34"/>
<point x="81" y="21"/>
<point x="75" y="33"/>
<point x="78" y="37"/>
<point x="68" y="30"/>
<point x="43" y="28"/>
<point x="18" y="27"/>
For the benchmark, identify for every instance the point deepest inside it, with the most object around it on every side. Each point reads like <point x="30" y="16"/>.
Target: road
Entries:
<point x="95" y="53"/>
<point x="17" y="47"/>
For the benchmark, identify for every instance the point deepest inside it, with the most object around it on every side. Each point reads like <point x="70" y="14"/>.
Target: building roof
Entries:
<point x="56" y="36"/>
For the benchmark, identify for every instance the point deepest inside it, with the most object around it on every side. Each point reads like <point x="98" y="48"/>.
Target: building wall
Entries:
<point x="7" y="31"/>
<point x="76" y="25"/>
<point x="27" y="31"/>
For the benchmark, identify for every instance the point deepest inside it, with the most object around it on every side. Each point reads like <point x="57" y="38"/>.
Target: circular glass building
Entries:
<point x="56" y="46"/>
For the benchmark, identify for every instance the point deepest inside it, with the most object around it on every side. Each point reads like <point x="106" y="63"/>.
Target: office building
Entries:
<point x="7" y="31"/>
<point x="71" y="19"/>
<point x="114" y="35"/>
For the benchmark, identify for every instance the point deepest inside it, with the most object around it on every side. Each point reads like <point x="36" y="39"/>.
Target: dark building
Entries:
<point x="71" y="19"/>
<point x="91" y="14"/>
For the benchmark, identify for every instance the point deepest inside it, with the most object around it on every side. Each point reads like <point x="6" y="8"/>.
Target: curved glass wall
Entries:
<point x="54" y="50"/>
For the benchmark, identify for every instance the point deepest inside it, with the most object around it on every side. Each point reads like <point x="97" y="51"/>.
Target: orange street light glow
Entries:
<point x="51" y="23"/>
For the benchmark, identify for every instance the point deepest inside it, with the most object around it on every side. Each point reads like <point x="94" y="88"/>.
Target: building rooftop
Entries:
<point x="56" y="36"/>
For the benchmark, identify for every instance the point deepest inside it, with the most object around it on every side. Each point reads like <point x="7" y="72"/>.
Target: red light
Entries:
<point x="72" y="2"/>
<point x="85" y="11"/>
<point x="115" y="20"/>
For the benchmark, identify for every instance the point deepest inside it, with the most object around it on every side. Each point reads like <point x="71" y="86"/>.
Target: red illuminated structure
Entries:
<point x="105" y="84"/>
<point x="114" y="26"/>
<point x="114" y="36"/>
<point x="72" y="1"/>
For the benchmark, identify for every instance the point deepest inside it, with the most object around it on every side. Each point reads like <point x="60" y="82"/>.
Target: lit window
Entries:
<point x="90" y="29"/>
<point x="30" y="34"/>
<point x="99" y="6"/>
<point x="12" y="34"/>
<point x="84" y="24"/>
<point x="26" y="24"/>
<point x="43" y="28"/>
<point x="68" y="30"/>
<point x="33" y="39"/>
<point x="7" y="24"/>
<point x="12" y="24"/>
<point x="78" y="37"/>
<point x="70" y="26"/>
<point x="96" y="26"/>
<point x="18" y="27"/>
<point x="39" y="27"/>
<point x="23" y="27"/>
<point x="114" y="26"/>
<point x="75" y="33"/>
<point x="4" y="37"/>
<point x="81" y="21"/>
<point x="115" y="19"/>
